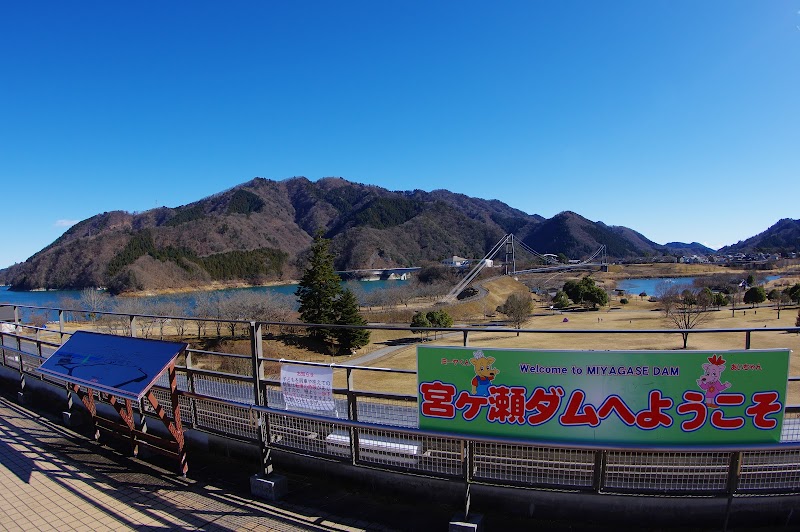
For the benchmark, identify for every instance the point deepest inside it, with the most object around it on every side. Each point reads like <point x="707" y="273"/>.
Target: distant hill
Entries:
<point x="695" y="248"/>
<point x="260" y="231"/>
<point x="783" y="237"/>
<point x="575" y="236"/>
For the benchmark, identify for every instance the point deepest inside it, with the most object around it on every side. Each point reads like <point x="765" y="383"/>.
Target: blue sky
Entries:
<point x="678" y="119"/>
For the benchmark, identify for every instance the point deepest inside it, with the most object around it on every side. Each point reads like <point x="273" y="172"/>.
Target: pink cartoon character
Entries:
<point x="710" y="381"/>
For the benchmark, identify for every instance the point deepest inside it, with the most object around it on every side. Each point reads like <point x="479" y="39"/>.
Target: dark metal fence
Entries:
<point x="380" y="430"/>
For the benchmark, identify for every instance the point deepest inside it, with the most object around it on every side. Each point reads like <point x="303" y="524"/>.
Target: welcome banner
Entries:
<point x="658" y="397"/>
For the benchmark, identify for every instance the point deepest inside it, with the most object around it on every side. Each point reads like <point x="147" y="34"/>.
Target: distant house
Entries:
<point x="456" y="262"/>
<point x="694" y="259"/>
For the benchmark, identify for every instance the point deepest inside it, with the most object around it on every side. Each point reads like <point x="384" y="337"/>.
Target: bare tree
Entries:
<point x="208" y="305"/>
<point x="202" y="306"/>
<point x="94" y="301"/>
<point x="127" y="306"/>
<point x="66" y="302"/>
<point x="666" y="293"/>
<point x="517" y="307"/>
<point x="38" y="319"/>
<point x="232" y="308"/>
<point x="684" y="312"/>
<point x="164" y="310"/>
<point x="779" y="299"/>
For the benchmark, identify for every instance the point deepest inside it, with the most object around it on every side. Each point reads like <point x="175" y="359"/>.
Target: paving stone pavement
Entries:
<point x="54" y="479"/>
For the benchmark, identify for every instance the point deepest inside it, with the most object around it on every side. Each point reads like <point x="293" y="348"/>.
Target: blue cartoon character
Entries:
<point x="484" y="373"/>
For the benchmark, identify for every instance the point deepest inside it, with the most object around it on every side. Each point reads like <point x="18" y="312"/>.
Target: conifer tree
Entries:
<point x="319" y="288"/>
<point x="347" y="311"/>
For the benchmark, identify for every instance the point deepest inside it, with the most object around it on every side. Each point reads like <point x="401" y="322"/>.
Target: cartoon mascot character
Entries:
<point x="710" y="381"/>
<point x="484" y="373"/>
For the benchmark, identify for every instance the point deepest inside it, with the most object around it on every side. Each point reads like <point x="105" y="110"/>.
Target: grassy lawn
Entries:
<point x="635" y="316"/>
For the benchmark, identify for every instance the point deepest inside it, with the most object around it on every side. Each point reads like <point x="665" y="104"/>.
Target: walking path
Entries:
<point x="54" y="479"/>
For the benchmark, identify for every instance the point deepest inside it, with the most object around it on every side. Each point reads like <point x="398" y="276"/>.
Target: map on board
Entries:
<point x="119" y="365"/>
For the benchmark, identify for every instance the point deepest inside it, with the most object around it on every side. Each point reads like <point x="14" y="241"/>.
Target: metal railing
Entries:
<point x="380" y="430"/>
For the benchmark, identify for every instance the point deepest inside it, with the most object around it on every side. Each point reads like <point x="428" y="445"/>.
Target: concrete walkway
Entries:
<point x="54" y="479"/>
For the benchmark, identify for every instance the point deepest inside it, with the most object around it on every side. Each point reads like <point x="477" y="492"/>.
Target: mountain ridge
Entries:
<point x="259" y="231"/>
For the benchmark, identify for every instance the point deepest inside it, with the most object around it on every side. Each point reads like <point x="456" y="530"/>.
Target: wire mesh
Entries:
<point x="534" y="466"/>
<point x="28" y="346"/>
<point x="385" y="411"/>
<point x="443" y="457"/>
<point x="790" y="432"/>
<point x="48" y="350"/>
<point x="30" y="363"/>
<point x="181" y="381"/>
<point x="770" y="471"/>
<point x="666" y="472"/>
<point x="226" y="419"/>
<point x="9" y="341"/>
<point x="224" y="388"/>
<point x="274" y="398"/>
<point x="423" y="454"/>
<point x="298" y="434"/>
<point x="164" y="398"/>
<point x="11" y="358"/>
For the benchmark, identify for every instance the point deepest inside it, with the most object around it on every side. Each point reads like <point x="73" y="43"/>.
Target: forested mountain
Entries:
<point x="260" y="231"/>
<point x="783" y="237"/>
<point x="695" y="248"/>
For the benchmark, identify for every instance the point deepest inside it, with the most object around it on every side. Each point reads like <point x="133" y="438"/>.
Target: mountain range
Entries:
<point x="260" y="231"/>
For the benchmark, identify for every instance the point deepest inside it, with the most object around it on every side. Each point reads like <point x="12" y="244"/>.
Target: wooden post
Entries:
<point x="183" y="466"/>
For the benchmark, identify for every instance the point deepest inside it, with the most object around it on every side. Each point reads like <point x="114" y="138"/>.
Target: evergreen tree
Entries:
<point x="755" y="296"/>
<point x="439" y="318"/>
<point x="586" y="292"/>
<point x="319" y="288"/>
<point x="347" y="311"/>
<point x="420" y="320"/>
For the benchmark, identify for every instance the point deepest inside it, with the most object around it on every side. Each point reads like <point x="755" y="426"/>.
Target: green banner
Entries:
<point x="657" y="397"/>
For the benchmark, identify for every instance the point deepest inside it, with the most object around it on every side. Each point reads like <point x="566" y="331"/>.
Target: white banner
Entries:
<point x="307" y="387"/>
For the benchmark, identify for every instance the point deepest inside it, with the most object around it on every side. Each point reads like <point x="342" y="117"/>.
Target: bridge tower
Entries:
<point x="510" y="254"/>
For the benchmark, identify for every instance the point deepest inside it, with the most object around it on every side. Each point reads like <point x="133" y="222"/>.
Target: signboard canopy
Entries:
<point x="640" y="397"/>
<point x="119" y="365"/>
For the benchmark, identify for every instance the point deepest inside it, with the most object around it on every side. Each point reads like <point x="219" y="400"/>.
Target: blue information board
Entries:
<point x="119" y="365"/>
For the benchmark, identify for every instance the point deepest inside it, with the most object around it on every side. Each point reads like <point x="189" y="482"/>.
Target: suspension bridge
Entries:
<point x="508" y="246"/>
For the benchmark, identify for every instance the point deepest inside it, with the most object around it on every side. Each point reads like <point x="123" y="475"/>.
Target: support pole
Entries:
<point x="266" y="484"/>
<point x="183" y="466"/>
<point x="352" y="414"/>
<point x="61" y="326"/>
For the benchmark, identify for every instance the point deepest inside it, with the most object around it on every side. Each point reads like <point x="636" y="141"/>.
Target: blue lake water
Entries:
<point x="71" y="298"/>
<point x="650" y="285"/>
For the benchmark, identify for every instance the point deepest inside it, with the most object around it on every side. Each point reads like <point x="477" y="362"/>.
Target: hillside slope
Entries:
<point x="259" y="231"/>
<point x="783" y="237"/>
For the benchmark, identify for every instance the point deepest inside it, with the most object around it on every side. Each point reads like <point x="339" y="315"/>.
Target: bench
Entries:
<point x="386" y="449"/>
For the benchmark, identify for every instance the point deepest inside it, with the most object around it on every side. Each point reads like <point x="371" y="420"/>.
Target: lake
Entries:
<point x="66" y="298"/>
<point x="650" y="285"/>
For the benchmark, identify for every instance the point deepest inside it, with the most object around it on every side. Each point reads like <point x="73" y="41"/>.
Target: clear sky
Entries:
<point x="679" y="119"/>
